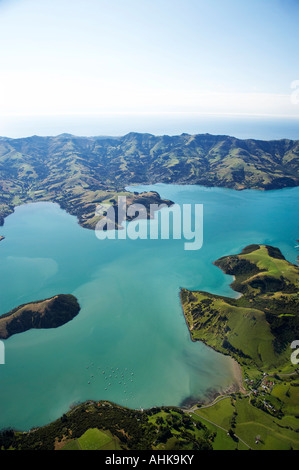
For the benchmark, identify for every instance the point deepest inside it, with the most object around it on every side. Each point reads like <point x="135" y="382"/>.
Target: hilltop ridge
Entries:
<point x="80" y="172"/>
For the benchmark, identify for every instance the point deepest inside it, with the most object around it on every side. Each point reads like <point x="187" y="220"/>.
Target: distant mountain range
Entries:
<point x="81" y="172"/>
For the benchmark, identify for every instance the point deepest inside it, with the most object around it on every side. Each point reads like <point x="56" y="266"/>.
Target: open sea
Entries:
<point x="118" y="124"/>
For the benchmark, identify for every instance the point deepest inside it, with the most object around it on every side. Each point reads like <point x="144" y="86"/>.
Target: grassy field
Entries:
<point x="222" y="440"/>
<point x="258" y="429"/>
<point x="257" y="328"/>
<point x="252" y="422"/>
<point x="213" y="319"/>
<point x="93" y="439"/>
<point x="273" y="267"/>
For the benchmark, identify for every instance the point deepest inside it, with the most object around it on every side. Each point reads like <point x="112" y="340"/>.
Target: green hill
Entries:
<point x="48" y="313"/>
<point x="257" y="328"/>
<point x="80" y="172"/>
<point x="101" y="425"/>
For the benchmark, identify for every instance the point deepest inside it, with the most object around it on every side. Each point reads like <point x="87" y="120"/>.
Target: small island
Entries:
<point x="48" y="313"/>
<point x="1" y="238"/>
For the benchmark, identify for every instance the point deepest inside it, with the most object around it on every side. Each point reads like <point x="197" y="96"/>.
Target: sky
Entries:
<point x="83" y="57"/>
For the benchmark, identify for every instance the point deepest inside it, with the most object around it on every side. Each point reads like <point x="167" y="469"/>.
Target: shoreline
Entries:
<point x="238" y="374"/>
<point x="213" y="394"/>
<point x="90" y="226"/>
<point x="237" y="386"/>
<point x="237" y="294"/>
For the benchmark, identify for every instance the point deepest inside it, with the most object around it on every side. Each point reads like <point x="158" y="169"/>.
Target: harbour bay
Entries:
<point x="130" y="343"/>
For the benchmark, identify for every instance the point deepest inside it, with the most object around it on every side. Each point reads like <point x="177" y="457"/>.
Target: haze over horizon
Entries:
<point x="172" y="59"/>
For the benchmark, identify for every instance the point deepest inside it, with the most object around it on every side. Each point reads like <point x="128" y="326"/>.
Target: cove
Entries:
<point x="130" y="343"/>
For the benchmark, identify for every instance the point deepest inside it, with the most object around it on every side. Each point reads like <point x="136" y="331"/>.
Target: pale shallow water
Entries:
<point x="130" y="340"/>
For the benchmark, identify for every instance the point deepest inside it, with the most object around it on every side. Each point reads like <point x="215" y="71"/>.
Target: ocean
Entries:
<point x="118" y="124"/>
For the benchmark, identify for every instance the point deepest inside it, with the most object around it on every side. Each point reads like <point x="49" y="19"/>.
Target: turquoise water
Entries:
<point x="130" y="343"/>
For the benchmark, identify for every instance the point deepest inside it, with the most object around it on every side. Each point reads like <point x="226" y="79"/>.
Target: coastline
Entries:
<point x="237" y="294"/>
<point x="238" y="374"/>
<point x="236" y="387"/>
<point x="213" y="394"/>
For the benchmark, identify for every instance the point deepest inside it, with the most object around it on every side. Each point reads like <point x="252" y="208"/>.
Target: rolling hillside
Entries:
<point x="80" y="172"/>
<point x="258" y="327"/>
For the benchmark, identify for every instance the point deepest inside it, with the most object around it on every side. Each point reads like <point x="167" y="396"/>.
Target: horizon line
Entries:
<point x="119" y="136"/>
<point x="134" y="113"/>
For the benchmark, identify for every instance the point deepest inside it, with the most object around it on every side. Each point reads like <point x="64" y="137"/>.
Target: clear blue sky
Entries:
<point x="89" y="56"/>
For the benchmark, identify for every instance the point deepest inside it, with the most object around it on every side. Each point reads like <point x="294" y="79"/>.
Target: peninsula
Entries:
<point x="48" y="313"/>
<point x="79" y="173"/>
<point x="258" y="327"/>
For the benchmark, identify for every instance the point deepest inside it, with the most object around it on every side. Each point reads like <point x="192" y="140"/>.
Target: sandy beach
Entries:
<point x="237" y="370"/>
